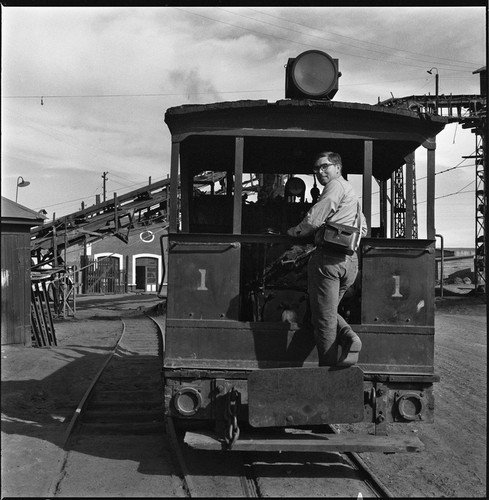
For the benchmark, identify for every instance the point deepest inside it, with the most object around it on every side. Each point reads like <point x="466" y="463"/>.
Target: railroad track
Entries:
<point x="260" y="474"/>
<point x="125" y="397"/>
<point x="214" y="473"/>
<point x="369" y="477"/>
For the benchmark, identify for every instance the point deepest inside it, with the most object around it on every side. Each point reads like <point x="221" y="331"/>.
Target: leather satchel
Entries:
<point x="339" y="237"/>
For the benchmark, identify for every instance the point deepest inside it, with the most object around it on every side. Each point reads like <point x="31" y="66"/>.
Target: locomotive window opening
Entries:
<point x="207" y="184"/>
<point x="273" y="202"/>
<point x="375" y="222"/>
<point x="211" y="202"/>
<point x="377" y="225"/>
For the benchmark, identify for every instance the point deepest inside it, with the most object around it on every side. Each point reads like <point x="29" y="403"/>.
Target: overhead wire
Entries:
<point x="161" y="94"/>
<point x="233" y="25"/>
<point x="167" y="94"/>
<point x="292" y="41"/>
<point x="417" y="54"/>
<point x="129" y="188"/>
<point x="137" y="185"/>
<point x="54" y="132"/>
<point x="461" y="190"/>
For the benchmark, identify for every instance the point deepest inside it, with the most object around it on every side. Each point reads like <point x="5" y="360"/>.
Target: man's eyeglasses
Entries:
<point x="322" y="167"/>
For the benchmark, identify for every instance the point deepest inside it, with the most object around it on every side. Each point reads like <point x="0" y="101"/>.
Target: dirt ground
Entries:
<point x="41" y="389"/>
<point x="454" y="462"/>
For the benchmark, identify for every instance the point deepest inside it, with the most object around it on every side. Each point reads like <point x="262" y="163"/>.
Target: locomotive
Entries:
<point x="239" y="346"/>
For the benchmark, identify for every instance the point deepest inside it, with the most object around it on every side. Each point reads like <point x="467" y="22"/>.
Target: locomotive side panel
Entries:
<point x="204" y="279"/>
<point x="398" y="282"/>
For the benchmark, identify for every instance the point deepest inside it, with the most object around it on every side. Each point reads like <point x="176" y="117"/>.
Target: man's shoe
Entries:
<point x="350" y="347"/>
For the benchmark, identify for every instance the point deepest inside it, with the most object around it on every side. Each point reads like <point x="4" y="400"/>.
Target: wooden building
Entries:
<point x="16" y="222"/>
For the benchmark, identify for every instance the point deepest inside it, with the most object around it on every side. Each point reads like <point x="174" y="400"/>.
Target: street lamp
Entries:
<point x="430" y="71"/>
<point x="20" y="183"/>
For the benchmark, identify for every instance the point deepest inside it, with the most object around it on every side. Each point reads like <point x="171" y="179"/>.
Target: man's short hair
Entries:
<point x="330" y="157"/>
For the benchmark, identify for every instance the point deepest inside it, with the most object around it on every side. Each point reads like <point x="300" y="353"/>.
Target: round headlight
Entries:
<point x="312" y="74"/>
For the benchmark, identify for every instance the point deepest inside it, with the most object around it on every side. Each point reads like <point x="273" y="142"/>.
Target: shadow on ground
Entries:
<point x="42" y="387"/>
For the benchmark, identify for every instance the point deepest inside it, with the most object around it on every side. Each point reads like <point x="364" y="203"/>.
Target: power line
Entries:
<point x="348" y="37"/>
<point x="293" y="41"/>
<point x="129" y="188"/>
<point x="45" y="96"/>
<point x="460" y="191"/>
<point x="119" y="95"/>
<point x="124" y="179"/>
<point x="45" y="129"/>
<point x="457" y="192"/>
<point x="458" y="165"/>
<point x="141" y="184"/>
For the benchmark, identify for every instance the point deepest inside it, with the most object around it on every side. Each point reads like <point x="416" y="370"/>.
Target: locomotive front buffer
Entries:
<point x="289" y="409"/>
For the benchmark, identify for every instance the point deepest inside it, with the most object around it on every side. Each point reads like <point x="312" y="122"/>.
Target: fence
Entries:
<point x="102" y="276"/>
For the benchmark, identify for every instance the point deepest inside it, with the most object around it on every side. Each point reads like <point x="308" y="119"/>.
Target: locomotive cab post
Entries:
<point x="239" y="350"/>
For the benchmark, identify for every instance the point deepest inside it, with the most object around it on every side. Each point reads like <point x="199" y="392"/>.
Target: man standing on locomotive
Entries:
<point x="330" y="272"/>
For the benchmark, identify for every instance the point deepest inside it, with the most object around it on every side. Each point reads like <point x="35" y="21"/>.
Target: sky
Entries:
<point x="85" y="89"/>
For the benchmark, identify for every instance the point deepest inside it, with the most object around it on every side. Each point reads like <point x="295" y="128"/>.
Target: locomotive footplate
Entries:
<point x="286" y="397"/>
<point x="294" y="440"/>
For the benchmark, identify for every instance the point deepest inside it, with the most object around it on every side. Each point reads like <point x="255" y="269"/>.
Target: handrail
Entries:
<point x="441" y="265"/>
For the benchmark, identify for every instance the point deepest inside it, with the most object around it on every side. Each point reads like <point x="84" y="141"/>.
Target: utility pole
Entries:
<point x="104" y="177"/>
<point x="430" y="71"/>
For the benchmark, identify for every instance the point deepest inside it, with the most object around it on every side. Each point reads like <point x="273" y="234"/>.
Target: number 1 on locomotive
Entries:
<point x="202" y="279"/>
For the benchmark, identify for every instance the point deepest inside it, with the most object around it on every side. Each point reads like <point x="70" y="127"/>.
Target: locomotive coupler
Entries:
<point x="231" y="412"/>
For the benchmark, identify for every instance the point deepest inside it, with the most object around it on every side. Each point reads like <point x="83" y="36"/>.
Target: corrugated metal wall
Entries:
<point x="16" y="285"/>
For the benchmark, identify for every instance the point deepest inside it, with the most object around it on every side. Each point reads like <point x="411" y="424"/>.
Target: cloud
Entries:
<point x="108" y="75"/>
<point x="189" y="81"/>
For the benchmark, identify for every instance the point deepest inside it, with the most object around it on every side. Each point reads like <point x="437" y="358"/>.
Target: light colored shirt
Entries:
<point x="337" y="203"/>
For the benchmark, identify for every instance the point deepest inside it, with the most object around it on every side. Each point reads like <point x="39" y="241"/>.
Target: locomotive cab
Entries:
<point x="239" y="346"/>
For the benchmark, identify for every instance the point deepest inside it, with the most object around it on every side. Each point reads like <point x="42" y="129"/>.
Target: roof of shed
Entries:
<point x="13" y="213"/>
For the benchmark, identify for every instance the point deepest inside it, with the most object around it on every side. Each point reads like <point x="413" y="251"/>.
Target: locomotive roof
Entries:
<point x="303" y="127"/>
<point x="234" y="111"/>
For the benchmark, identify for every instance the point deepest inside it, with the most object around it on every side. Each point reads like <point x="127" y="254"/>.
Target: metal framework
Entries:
<point x="477" y="122"/>
<point x="471" y="112"/>
<point x="404" y="209"/>
<point x="453" y="104"/>
<point x="49" y="242"/>
<point x="399" y="208"/>
<point x="480" y="253"/>
<point x="480" y="260"/>
<point x="415" y="204"/>
<point x="110" y="218"/>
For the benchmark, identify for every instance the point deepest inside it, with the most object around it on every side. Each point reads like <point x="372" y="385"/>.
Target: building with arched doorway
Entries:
<point x="110" y="265"/>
